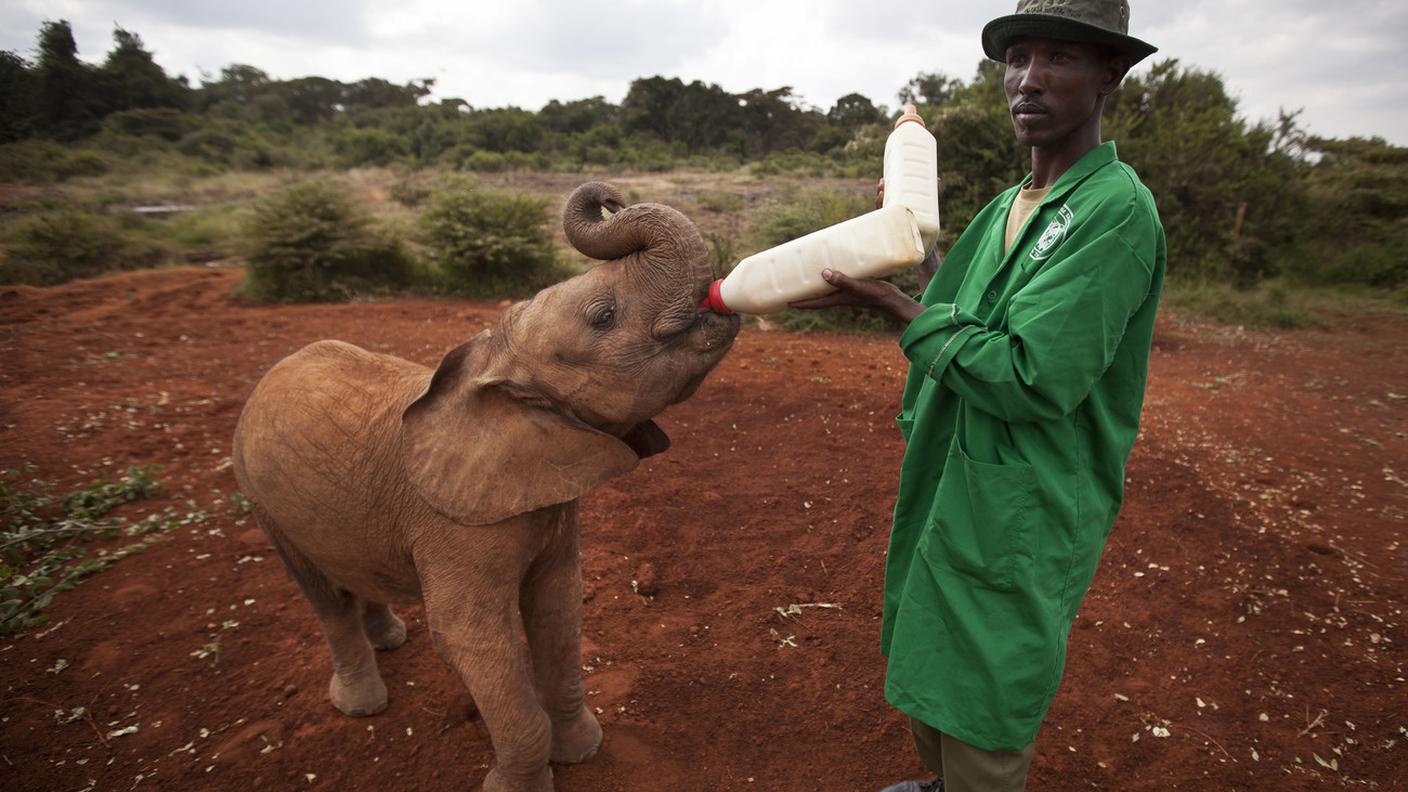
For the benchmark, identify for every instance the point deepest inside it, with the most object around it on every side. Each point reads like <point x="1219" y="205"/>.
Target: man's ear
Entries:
<point x="482" y="449"/>
<point x="1117" y="65"/>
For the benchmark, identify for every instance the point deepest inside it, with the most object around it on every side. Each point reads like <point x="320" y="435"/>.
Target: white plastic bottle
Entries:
<point x="912" y="173"/>
<point x="870" y="246"/>
<point x="897" y="235"/>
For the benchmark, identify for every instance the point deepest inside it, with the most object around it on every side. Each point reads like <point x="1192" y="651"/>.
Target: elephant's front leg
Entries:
<point x="552" y="614"/>
<point x="484" y="645"/>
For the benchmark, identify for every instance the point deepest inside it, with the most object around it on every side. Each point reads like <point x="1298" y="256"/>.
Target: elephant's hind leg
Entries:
<point x="384" y="629"/>
<point x="356" y="687"/>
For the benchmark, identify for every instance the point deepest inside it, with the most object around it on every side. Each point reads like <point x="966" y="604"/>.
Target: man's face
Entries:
<point x="1054" y="87"/>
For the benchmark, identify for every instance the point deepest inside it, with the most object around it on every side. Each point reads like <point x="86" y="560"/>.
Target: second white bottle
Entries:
<point x="897" y="235"/>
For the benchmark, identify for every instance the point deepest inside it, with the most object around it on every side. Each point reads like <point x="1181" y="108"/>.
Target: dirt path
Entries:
<point x="1244" y="632"/>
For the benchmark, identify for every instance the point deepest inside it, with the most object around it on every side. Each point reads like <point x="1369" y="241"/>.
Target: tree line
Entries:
<point x="1241" y="199"/>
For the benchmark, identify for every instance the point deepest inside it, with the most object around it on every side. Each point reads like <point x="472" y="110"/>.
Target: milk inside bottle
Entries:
<point x="897" y="235"/>
<point x="912" y="173"/>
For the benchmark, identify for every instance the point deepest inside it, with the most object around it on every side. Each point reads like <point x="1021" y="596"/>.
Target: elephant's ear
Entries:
<point x="481" y="449"/>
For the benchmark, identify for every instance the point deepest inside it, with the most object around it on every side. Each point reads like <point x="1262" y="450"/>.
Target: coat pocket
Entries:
<point x="906" y="426"/>
<point x="980" y="525"/>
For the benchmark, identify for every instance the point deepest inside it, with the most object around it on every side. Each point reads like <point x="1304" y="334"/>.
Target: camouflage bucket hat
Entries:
<point x="1097" y="21"/>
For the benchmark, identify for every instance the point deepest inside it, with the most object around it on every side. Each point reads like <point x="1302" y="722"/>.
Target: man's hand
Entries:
<point x="878" y="295"/>
<point x="862" y="293"/>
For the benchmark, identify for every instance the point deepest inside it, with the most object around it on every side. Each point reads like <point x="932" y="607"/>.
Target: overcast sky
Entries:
<point x="1335" y="60"/>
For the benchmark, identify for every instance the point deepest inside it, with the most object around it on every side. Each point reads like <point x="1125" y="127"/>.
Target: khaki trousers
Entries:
<point x="965" y="768"/>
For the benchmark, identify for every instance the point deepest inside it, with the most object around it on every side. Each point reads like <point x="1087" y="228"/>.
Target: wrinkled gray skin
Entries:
<point x="380" y="482"/>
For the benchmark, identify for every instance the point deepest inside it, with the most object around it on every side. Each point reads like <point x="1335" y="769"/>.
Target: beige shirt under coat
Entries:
<point x="1023" y="205"/>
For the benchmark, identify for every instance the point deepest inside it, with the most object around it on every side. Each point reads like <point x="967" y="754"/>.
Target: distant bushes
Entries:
<point x="720" y="202"/>
<point x="67" y="243"/>
<point x="47" y="161"/>
<point x="802" y="212"/>
<point x="309" y="242"/>
<point x="487" y="243"/>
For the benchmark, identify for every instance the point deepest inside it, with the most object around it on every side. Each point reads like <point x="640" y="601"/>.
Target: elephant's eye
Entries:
<point x="604" y="318"/>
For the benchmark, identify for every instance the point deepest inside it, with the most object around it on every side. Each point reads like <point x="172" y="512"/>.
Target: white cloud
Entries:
<point x="1333" y="60"/>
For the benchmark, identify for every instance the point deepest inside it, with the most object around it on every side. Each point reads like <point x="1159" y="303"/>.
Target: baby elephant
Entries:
<point x="380" y="481"/>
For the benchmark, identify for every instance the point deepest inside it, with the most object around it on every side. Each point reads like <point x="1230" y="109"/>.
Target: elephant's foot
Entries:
<point x="386" y="630"/>
<point x="358" y="696"/>
<point x="498" y="781"/>
<point x="576" y="740"/>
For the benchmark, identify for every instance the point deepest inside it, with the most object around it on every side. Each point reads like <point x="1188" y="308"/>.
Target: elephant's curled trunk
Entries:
<point x="662" y="235"/>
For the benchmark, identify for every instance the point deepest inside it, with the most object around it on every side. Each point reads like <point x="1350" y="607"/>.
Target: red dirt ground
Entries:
<point x="1249" y="608"/>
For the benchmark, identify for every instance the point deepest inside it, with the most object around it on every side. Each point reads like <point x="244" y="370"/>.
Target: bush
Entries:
<point x="41" y="160"/>
<point x="166" y="123"/>
<point x="801" y="213"/>
<point x="720" y="202"/>
<point x="310" y="243"/>
<point x="369" y="147"/>
<point x="228" y="144"/>
<point x="1272" y="303"/>
<point x="64" y="244"/>
<point x="484" y="162"/>
<point x="409" y="192"/>
<point x="489" y="244"/>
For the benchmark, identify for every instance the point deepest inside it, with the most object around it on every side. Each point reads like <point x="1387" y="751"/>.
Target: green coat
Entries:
<point x="1026" y="379"/>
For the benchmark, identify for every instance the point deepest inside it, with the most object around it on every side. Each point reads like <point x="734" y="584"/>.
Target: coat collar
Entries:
<point x="1089" y="163"/>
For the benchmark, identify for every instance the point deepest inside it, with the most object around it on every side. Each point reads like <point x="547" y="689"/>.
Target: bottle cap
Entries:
<point x="715" y="301"/>
<point x="911" y="113"/>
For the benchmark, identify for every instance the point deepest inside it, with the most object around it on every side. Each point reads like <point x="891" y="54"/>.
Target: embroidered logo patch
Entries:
<point x="1052" y="236"/>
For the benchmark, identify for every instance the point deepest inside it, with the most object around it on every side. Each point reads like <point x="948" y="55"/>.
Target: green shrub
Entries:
<point x="484" y="162"/>
<point x="721" y="202"/>
<point x="42" y="160"/>
<point x="1272" y="303"/>
<point x="60" y="245"/>
<point x="84" y="163"/>
<point x="489" y="244"/>
<point x="409" y="192"/>
<point x="231" y="145"/>
<point x="203" y="234"/>
<point x="723" y="252"/>
<point x="369" y="147"/>
<point x="308" y="242"/>
<point x="800" y="213"/>
<point x="166" y="123"/>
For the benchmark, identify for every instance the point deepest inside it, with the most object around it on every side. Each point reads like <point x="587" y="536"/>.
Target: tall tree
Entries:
<point x="852" y="111"/>
<point x="17" y="89"/>
<point x="68" y="93"/>
<point x="235" y="90"/>
<point x="929" y="88"/>
<point x="134" y="80"/>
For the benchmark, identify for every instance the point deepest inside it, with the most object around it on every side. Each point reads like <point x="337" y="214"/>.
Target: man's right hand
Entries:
<point x="864" y="293"/>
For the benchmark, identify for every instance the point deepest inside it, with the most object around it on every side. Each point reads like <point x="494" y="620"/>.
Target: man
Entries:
<point x="1028" y="355"/>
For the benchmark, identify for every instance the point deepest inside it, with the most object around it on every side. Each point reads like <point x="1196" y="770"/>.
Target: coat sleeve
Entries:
<point x="1063" y="327"/>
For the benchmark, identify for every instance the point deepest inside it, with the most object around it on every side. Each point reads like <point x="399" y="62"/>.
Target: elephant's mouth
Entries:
<point x="699" y="328"/>
<point x="715" y="332"/>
